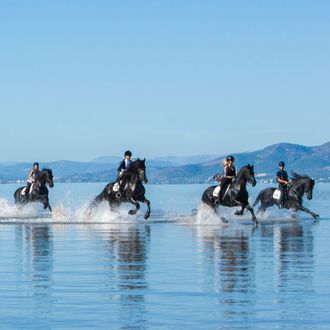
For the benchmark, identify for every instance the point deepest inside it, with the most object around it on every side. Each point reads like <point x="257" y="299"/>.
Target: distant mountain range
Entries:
<point x="314" y="161"/>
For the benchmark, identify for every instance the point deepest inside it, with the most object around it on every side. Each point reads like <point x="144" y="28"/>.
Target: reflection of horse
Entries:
<point x="39" y="192"/>
<point x="300" y="185"/>
<point x="237" y="194"/>
<point x="133" y="191"/>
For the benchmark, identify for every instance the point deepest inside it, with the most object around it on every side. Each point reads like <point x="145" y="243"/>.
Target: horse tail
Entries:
<point x="257" y="200"/>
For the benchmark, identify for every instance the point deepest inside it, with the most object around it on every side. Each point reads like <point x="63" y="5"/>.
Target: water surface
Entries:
<point x="172" y="272"/>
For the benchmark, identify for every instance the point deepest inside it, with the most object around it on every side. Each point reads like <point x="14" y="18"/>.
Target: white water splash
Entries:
<point x="8" y="210"/>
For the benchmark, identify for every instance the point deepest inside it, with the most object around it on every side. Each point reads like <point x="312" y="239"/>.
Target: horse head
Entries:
<point x="47" y="177"/>
<point x="246" y="174"/>
<point x="251" y="177"/>
<point x="139" y="167"/>
<point x="303" y="184"/>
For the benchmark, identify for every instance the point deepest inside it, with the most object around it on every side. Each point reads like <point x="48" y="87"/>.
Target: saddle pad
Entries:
<point x="115" y="187"/>
<point x="216" y="191"/>
<point x="277" y="194"/>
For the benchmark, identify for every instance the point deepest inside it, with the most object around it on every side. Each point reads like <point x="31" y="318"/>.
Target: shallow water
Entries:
<point x="175" y="271"/>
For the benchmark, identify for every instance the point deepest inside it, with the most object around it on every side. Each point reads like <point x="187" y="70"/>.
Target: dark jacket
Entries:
<point x="122" y="165"/>
<point x="283" y="175"/>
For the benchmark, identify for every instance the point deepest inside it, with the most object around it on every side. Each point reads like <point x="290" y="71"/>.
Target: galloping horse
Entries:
<point x="300" y="185"/>
<point x="39" y="192"/>
<point x="133" y="192"/>
<point x="237" y="194"/>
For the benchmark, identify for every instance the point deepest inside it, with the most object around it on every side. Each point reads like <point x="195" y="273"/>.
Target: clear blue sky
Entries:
<point x="82" y="79"/>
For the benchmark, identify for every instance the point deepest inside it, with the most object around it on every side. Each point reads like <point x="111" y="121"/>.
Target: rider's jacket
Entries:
<point x="33" y="176"/>
<point x="283" y="175"/>
<point x="229" y="171"/>
<point x="124" y="165"/>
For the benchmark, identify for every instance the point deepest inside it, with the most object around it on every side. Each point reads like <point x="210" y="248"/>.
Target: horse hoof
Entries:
<point x="146" y="216"/>
<point x="131" y="212"/>
<point x="224" y="220"/>
<point x="237" y="213"/>
<point x="316" y="217"/>
<point x="255" y="220"/>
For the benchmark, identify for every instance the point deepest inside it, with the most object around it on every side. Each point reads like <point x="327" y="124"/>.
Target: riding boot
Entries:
<point x="27" y="191"/>
<point x="221" y="193"/>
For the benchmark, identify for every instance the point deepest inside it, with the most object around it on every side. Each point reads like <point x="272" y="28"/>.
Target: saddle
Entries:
<point x="217" y="189"/>
<point x="31" y="189"/>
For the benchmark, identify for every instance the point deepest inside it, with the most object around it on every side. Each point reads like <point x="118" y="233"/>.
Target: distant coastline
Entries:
<point x="313" y="161"/>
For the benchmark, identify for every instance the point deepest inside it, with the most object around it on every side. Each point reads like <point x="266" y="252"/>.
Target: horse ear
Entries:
<point x="144" y="160"/>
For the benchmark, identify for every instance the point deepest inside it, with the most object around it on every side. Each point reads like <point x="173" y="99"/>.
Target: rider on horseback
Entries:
<point x="122" y="172"/>
<point x="283" y="180"/>
<point x="229" y="172"/>
<point x="33" y="176"/>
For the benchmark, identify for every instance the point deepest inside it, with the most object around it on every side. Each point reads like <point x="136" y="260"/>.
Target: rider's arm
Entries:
<point x="30" y="177"/>
<point x="121" y="166"/>
<point x="279" y="180"/>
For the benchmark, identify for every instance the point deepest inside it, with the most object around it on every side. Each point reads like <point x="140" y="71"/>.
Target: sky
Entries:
<point x="83" y="79"/>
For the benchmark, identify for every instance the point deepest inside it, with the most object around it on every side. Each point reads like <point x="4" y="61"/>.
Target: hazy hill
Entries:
<point x="314" y="161"/>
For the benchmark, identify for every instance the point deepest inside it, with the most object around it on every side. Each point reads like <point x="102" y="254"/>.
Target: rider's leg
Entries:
<point x="223" y="187"/>
<point x="282" y="198"/>
<point x="27" y="190"/>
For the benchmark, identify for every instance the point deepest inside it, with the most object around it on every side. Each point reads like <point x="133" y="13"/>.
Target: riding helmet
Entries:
<point x="281" y="163"/>
<point x="128" y="153"/>
<point x="232" y="158"/>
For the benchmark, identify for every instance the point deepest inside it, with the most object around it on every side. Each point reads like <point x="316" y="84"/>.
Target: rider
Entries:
<point x="33" y="176"/>
<point x="282" y="179"/>
<point x="122" y="172"/>
<point x="229" y="172"/>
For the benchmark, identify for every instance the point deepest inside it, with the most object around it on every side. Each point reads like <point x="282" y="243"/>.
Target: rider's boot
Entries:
<point x="27" y="192"/>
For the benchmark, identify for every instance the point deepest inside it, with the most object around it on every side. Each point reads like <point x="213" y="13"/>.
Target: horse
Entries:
<point x="133" y="193"/>
<point x="237" y="194"/>
<point x="39" y="191"/>
<point x="298" y="187"/>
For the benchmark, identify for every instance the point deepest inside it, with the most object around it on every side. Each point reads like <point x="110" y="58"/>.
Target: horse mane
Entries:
<point x="295" y="176"/>
<point x="248" y="166"/>
<point x="45" y="169"/>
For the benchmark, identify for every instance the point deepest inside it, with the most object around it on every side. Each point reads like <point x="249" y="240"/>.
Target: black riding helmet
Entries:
<point x="128" y="153"/>
<point x="232" y="158"/>
<point x="281" y="163"/>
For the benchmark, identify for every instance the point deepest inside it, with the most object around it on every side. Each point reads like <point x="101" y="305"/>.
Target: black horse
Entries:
<point x="300" y="185"/>
<point x="133" y="192"/>
<point x="39" y="192"/>
<point x="237" y="194"/>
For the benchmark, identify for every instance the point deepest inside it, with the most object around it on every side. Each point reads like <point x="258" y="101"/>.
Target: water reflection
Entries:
<point x="127" y="250"/>
<point x="229" y="265"/>
<point x="239" y="263"/>
<point x="35" y="247"/>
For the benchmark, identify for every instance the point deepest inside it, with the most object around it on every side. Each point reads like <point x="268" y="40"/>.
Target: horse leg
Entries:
<point x="304" y="209"/>
<point x="137" y="207"/>
<point x="216" y="211"/>
<point x="147" y="215"/>
<point x="250" y="208"/>
<point x="241" y="211"/>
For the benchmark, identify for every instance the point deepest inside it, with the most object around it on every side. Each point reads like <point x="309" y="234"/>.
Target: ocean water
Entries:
<point x="174" y="271"/>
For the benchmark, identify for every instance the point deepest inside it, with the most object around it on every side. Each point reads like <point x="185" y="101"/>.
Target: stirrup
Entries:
<point x="118" y="195"/>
